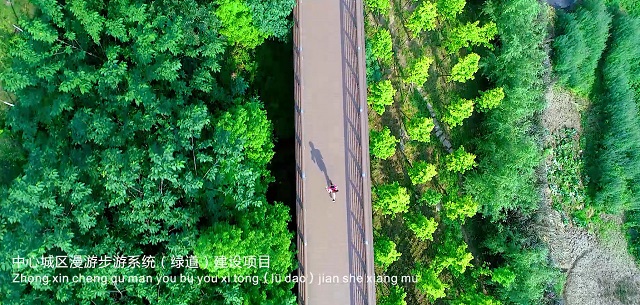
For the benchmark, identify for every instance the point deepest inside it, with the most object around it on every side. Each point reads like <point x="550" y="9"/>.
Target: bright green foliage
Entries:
<point x="461" y="208"/>
<point x="581" y="39"/>
<point x="237" y="23"/>
<point x="418" y="72"/>
<point x="381" y="45"/>
<point x="384" y="252"/>
<point x="507" y="152"/>
<point x="261" y="231"/>
<point x="419" y="128"/>
<point x="382" y="143"/>
<point x="458" y="111"/>
<point x="421" y="172"/>
<point x="421" y="226"/>
<point x="489" y="99"/>
<point x="465" y="68"/>
<point x="422" y="19"/>
<point x="429" y="283"/>
<point x="453" y="256"/>
<point x="503" y="276"/>
<point x="449" y="9"/>
<point x="391" y="198"/>
<point x="475" y="298"/>
<point x="460" y="161"/>
<point x="470" y="34"/>
<point x="631" y="6"/>
<point x="431" y="197"/>
<point x="395" y="297"/>
<point x="378" y="6"/>
<point x="381" y="95"/>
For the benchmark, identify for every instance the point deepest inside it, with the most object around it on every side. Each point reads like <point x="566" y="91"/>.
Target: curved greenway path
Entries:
<point x="335" y="241"/>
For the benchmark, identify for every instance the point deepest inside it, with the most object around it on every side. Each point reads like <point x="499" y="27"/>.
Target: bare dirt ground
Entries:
<point x="598" y="268"/>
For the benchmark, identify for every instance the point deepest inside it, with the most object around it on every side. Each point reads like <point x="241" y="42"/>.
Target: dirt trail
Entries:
<point x="599" y="270"/>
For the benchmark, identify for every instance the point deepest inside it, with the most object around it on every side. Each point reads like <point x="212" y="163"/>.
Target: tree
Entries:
<point x="395" y="296"/>
<point x="460" y="161"/>
<point x="391" y="199"/>
<point x="449" y="9"/>
<point x="381" y="95"/>
<point x="131" y="139"/>
<point x="429" y="283"/>
<point x="503" y="276"/>
<point x="418" y="72"/>
<point x="457" y="111"/>
<point x="422" y="172"/>
<point x="453" y="256"/>
<point x="465" y="68"/>
<point x="470" y="34"/>
<point x="237" y="23"/>
<point x="461" y="208"/>
<point x="419" y="128"/>
<point x="422" y="19"/>
<point x="383" y="143"/>
<point x="581" y="40"/>
<point x="421" y="226"/>
<point x="490" y="99"/>
<point x="381" y="45"/>
<point x="431" y="197"/>
<point x="270" y="16"/>
<point x="385" y="252"/>
<point x="378" y="6"/>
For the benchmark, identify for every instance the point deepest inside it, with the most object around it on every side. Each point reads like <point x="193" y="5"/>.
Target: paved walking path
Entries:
<point x="334" y="238"/>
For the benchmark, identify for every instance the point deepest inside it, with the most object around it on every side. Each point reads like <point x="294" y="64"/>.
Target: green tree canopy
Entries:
<point x="490" y="99"/>
<point x="418" y="72"/>
<point x="381" y="95"/>
<point x="421" y="226"/>
<point x="381" y="45"/>
<point x="422" y="172"/>
<point x="460" y="161"/>
<point x="460" y="208"/>
<point x="382" y="143"/>
<point x="391" y="198"/>
<point x="458" y="111"/>
<point x="422" y="19"/>
<point x="449" y="9"/>
<point x="385" y="252"/>
<point x="470" y="34"/>
<point x="465" y="68"/>
<point x="419" y="128"/>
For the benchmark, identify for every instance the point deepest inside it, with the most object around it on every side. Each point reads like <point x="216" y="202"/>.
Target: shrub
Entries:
<point x="384" y="252"/>
<point x="423" y="18"/>
<point x="465" y="68"/>
<point x="422" y="172"/>
<point x="391" y="198"/>
<point x="460" y="161"/>
<point x="381" y="45"/>
<point x="381" y="95"/>
<point x="449" y="9"/>
<point x="490" y="99"/>
<point x="461" y="208"/>
<point x="383" y="144"/>
<point x="457" y="111"/>
<point x="378" y="6"/>
<point x="418" y="72"/>
<point x="421" y="226"/>
<point x="419" y="128"/>
<point x="470" y="34"/>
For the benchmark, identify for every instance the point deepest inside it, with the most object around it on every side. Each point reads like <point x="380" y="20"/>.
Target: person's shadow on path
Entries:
<point x="316" y="157"/>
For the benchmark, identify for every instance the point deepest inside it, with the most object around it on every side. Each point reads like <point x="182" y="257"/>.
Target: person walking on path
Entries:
<point x="332" y="189"/>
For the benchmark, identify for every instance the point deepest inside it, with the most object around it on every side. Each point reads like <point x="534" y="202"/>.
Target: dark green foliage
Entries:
<point x="613" y="158"/>
<point x="507" y="151"/>
<point x="581" y="39"/>
<point x="135" y="142"/>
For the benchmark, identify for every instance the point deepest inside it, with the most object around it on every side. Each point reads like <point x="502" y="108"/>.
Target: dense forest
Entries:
<point x="136" y="134"/>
